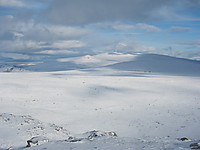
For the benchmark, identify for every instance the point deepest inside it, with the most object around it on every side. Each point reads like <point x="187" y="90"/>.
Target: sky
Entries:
<point x="34" y="31"/>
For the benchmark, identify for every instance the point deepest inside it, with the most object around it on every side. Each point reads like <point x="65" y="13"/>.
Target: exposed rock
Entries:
<point x="36" y="140"/>
<point x="96" y="133"/>
<point x="184" y="139"/>
<point x="91" y="135"/>
<point x="11" y="68"/>
<point x="195" y="146"/>
<point x="74" y="139"/>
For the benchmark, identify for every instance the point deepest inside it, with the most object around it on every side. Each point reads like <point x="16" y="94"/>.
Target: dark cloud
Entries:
<point x="92" y="11"/>
<point x="80" y="12"/>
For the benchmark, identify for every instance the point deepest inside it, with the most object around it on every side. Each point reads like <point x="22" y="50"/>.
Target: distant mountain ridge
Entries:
<point x="160" y="64"/>
<point x="11" y="68"/>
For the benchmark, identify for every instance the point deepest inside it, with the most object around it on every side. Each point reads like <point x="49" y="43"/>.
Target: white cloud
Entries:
<point x="139" y="26"/>
<point x="29" y="36"/>
<point x="147" y="28"/>
<point x="49" y="32"/>
<point x="66" y="44"/>
<point x="132" y="47"/>
<point x="54" y="52"/>
<point x="32" y="46"/>
<point x="18" y="35"/>
<point x="30" y="30"/>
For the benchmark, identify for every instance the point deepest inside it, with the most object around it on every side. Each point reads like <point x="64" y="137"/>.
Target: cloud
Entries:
<point x="79" y="12"/>
<point x="56" y="52"/>
<point x="17" y="35"/>
<point x="123" y="27"/>
<point x="139" y="26"/>
<point x="147" y="28"/>
<point x="37" y="31"/>
<point x="67" y="31"/>
<point x="12" y="3"/>
<point x="15" y="56"/>
<point x="32" y="46"/>
<point x="124" y="47"/>
<point x="28" y="4"/>
<point x="67" y="44"/>
<point x="29" y="46"/>
<point x="47" y="32"/>
<point x="66" y="27"/>
<point x="19" y="46"/>
<point x="92" y="11"/>
<point x="179" y="29"/>
<point x="131" y="47"/>
<point x="195" y="43"/>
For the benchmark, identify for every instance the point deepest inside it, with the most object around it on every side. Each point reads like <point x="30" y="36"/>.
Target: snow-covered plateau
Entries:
<point x="107" y="108"/>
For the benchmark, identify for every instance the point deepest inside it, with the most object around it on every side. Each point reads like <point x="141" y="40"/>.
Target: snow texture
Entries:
<point x="101" y="108"/>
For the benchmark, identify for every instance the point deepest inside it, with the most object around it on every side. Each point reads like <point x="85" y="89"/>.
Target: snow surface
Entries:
<point x="61" y="110"/>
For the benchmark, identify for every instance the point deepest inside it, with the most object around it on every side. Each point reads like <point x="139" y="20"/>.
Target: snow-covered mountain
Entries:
<point x="11" y="68"/>
<point x="160" y="64"/>
<point x="153" y="63"/>
<point x="51" y="66"/>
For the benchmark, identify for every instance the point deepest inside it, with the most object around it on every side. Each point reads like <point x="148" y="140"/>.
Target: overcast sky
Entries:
<point x="38" y="30"/>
